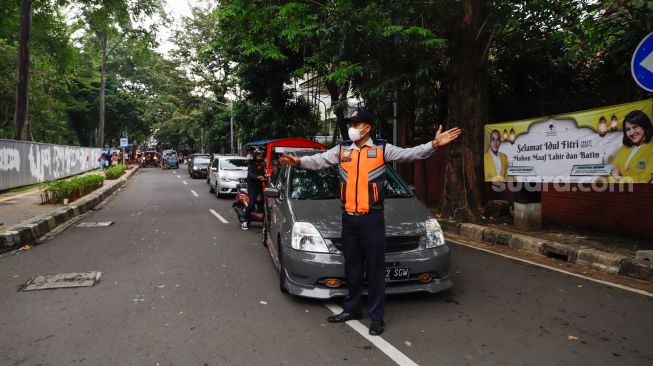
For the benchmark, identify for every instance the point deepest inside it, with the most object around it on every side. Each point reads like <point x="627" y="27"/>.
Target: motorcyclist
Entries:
<point x="255" y="178"/>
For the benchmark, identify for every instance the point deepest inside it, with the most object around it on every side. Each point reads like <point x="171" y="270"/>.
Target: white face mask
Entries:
<point x="354" y="134"/>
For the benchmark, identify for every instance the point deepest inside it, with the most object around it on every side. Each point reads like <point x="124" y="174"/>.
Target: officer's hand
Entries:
<point x="444" y="138"/>
<point x="286" y="159"/>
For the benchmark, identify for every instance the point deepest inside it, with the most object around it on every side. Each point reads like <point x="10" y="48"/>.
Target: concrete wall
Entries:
<point x="618" y="212"/>
<point x="23" y="163"/>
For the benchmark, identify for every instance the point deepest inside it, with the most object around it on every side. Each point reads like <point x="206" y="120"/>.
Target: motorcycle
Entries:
<point x="240" y="204"/>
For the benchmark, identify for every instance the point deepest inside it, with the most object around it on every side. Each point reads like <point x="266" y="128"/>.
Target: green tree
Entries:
<point x="111" y="22"/>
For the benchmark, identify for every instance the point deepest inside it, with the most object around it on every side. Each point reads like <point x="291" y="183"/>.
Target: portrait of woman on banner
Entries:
<point x="634" y="161"/>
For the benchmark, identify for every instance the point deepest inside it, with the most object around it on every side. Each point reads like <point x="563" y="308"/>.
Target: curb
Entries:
<point x="30" y="231"/>
<point x="588" y="257"/>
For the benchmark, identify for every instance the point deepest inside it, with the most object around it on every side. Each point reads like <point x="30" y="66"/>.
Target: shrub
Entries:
<point x="114" y="172"/>
<point x="56" y="191"/>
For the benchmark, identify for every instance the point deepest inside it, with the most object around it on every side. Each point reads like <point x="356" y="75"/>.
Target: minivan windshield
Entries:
<point x="325" y="184"/>
<point x="233" y="164"/>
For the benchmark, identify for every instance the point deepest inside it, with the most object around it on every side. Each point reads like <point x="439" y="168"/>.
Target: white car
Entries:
<point x="227" y="174"/>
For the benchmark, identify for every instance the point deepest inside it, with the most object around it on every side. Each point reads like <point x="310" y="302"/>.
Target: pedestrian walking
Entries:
<point x="102" y="160"/>
<point x="362" y="174"/>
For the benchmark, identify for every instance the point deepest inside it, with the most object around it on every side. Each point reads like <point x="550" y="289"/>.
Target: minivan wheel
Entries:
<point x="282" y="273"/>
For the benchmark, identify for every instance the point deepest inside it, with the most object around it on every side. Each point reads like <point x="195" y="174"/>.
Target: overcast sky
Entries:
<point x="175" y="9"/>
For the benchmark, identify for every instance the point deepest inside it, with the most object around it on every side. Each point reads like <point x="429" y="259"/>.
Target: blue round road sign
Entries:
<point x="642" y="63"/>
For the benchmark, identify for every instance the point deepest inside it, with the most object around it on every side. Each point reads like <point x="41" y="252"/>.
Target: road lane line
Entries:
<point x="218" y="216"/>
<point x="380" y="343"/>
<point x="194" y="193"/>
<point x="178" y="177"/>
<point x="183" y="181"/>
<point x="626" y="288"/>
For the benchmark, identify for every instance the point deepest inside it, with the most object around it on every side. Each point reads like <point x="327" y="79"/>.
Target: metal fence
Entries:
<point x="23" y="162"/>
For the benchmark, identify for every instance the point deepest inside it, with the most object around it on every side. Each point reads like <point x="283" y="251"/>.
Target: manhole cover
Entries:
<point x="63" y="280"/>
<point x="95" y="224"/>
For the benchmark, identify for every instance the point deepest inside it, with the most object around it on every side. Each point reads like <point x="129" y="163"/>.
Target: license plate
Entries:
<point x="396" y="274"/>
<point x="242" y="185"/>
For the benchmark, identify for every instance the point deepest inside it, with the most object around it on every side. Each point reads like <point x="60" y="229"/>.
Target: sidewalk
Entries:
<point x="23" y="219"/>
<point x="608" y="253"/>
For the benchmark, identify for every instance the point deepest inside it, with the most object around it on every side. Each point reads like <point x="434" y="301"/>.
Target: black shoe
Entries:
<point x="342" y="317"/>
<point x="376" y="328"/>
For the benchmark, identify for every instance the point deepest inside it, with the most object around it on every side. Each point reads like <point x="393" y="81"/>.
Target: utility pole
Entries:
<point x="231" y="111"/>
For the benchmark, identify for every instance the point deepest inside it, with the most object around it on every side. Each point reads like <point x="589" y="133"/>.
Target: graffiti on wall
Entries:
<point x="23" y="163"/>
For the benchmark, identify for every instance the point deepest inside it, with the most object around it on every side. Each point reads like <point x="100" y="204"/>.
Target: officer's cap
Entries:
<point x="360" y="115"/>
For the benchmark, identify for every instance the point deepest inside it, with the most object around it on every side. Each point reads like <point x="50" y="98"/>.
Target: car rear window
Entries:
<point x="325" y="184"/>
<point x="201" y="160"/>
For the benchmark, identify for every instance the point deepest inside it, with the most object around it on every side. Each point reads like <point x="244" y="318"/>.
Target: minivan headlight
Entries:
<point x="434" y="236"/>
<point x="306" y="237"/>
<point x="225" y="179"/>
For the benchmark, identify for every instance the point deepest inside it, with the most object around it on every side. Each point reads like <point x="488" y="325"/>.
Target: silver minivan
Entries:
<point x="302" y="231"/>
<point x="227" y="174"/>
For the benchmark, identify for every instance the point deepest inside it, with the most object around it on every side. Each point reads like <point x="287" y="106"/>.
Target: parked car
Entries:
<point x="149" y="158"/>
<point x="198" y="165"/>
<point x="227" y="174"/>
<point x="302" y="231"/>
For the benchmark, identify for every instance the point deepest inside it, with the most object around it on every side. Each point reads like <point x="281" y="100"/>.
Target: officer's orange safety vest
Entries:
<point x="362" y="174"/>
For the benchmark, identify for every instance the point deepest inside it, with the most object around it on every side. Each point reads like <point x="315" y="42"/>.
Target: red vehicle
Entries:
<point x="274" y="148"/>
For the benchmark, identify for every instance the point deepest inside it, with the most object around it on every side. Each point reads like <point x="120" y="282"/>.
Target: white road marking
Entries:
<point x="626" y="288"/>
<point x="178" y="177"/>
<point x="194" y="193"/>
<point x="380" y="343"/>
<point x="183" y="181"/>
<point x="218" y="216"/>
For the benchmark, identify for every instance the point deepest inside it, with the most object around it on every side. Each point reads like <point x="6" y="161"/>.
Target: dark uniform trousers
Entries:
<point x="253" y="190"/>
<point x="363" y="239"/>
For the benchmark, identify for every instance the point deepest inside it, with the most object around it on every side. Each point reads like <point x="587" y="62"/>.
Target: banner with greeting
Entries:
<point x="612" y="143"/>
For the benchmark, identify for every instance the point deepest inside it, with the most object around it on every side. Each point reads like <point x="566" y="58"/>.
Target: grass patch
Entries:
<point x="114" y="172"/>
<point x="76" y="187"/>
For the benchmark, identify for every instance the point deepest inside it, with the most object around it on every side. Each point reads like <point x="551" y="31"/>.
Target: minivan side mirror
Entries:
<point x="272" y="193"/>
<point x="214" y="169"/>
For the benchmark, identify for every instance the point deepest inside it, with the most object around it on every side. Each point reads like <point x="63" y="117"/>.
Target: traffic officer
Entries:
<point x="362" y="174"/>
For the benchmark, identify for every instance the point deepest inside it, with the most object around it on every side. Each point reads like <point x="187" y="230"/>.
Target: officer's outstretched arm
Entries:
<point x="313" y="162"/>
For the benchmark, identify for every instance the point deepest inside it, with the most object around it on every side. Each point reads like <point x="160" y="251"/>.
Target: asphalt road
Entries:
<point x="180" y="287"/>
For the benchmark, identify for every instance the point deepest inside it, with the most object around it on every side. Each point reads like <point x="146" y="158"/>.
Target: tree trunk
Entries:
<point x="103" y="78"/>
<point x="338" y="101"/>
<point x="22" y="74"/>
<point x="467" y="109"/>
